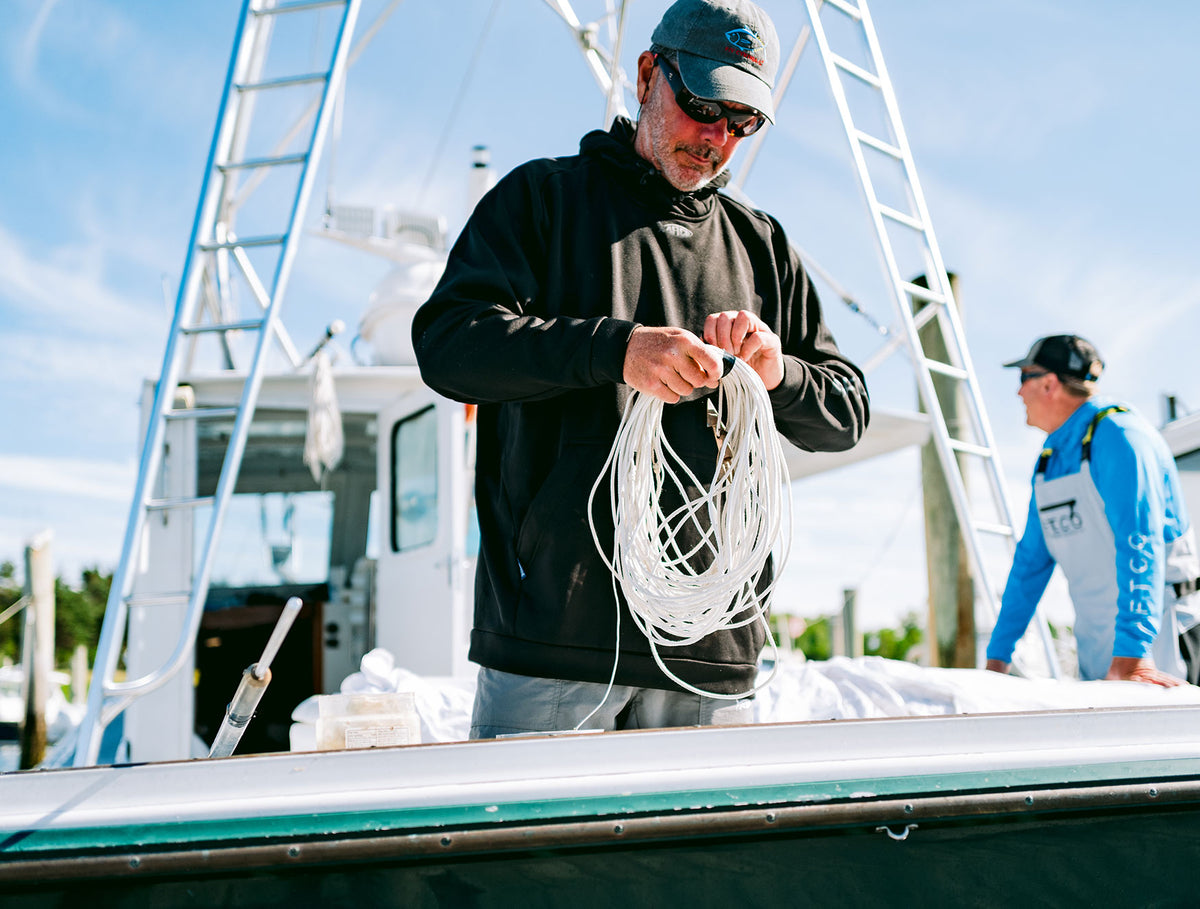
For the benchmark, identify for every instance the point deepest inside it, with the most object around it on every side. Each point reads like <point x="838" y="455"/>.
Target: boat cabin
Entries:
<point x="380" y="548"/>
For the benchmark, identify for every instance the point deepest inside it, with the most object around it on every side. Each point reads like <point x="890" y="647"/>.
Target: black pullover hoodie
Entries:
<point x="556" y="267"/>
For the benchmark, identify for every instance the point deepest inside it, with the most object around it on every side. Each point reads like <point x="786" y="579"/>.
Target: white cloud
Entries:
<point x="73" y="477"/>
<point x="25" y="64"/>
<point x="25" y="60"/>
<point x="95" y="369"/>
<point x="65" y="286"/>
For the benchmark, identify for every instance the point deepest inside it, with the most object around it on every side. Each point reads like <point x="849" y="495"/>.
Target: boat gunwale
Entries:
<point x="893" y="817"/>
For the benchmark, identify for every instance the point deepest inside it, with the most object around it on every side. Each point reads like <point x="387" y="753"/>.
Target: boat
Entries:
<point x="1053" y="808"/>
<point x="1182" y="432"/>
<point x="61" y="714"/>
<point x="1049" y="792"/>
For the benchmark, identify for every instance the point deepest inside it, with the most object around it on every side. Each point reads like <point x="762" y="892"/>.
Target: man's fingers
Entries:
<point x="709" y="359"/>
<point x="753" y="343"/>
<point x="1156" y="677"/>
<point x="729" y="330"/>
<point x="718" y="330"/>
<point x="688" y="368"/>
<point x="680" y="384"/>
<point x="741" y="327"/>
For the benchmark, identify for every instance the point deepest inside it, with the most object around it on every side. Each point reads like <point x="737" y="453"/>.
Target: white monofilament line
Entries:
<point x="738" y="517"/>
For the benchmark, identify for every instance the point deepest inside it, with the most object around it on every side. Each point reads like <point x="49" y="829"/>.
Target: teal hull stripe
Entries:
<point x="133" y="837"/>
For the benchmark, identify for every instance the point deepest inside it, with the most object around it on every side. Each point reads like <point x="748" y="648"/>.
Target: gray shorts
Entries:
<point x="508" y="704"/>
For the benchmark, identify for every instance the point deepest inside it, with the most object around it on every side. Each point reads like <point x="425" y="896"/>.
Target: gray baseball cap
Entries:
<point x="725" y="50"/>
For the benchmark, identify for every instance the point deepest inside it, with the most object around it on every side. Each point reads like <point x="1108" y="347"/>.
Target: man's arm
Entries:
<point x="1027" y="580"/>
<point x="1123" y="471"/>
<point x="475" y="338"/>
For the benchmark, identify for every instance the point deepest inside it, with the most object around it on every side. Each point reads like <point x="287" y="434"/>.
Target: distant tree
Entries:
<point x="892" y="643"/>
<point x="78" y="612"/>
<point x="10" y="631"/>
<point x="816" y="641"/>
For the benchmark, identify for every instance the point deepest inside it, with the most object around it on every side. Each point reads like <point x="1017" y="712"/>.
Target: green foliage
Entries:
<point x="10" y="631"/>
<point x="78" y="612"/>
<point x="892" y="643"/>
<point x="816" y="641"/>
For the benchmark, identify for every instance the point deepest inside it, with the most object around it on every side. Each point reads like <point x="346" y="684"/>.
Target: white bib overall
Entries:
<point x="1080" y="539"/>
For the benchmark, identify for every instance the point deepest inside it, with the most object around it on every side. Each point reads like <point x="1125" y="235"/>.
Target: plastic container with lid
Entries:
<point x="367" y="720"/>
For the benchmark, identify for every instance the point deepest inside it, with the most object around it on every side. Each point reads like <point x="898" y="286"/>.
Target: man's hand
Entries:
<point x="748" y="337"/>
<point x="997" y="666"/>
<point x="1140" y="669"/>
<point x="669" y="363"/>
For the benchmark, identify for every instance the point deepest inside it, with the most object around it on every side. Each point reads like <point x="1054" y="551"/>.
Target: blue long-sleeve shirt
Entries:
<point x="1136" y="477"/>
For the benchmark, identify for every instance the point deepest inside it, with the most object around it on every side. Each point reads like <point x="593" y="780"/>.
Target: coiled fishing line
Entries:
<point x="735" y="520"/>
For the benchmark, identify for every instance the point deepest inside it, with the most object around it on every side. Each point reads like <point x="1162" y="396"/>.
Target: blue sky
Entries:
<point x="1054" y="141"/>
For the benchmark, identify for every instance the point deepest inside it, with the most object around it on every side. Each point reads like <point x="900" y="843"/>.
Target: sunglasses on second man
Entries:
<point x="740" y="123"/>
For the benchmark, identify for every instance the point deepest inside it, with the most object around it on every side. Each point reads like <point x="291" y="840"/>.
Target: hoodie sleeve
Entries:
<point x="474" y="339"/>
<point x="822" y="402"/>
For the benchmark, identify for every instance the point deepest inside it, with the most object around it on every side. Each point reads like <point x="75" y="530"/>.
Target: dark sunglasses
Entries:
<point x="1032" y="374"/>
<point x="740" y="123"/>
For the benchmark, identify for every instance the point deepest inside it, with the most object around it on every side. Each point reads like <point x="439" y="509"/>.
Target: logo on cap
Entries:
<point x="746" y="43"/>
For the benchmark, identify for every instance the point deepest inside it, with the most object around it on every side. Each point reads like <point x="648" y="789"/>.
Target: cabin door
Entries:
<point x="425" y="572"/>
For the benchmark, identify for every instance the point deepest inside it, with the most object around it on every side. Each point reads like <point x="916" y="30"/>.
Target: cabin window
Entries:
<point x="414" y="512"/>
<point x="270" y="538"/>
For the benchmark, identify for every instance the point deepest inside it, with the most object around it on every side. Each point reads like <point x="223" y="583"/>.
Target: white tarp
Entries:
<point x="840" y="688"/>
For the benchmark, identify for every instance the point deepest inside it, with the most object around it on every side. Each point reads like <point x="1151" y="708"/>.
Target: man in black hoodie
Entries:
<point x="576" y="279"/>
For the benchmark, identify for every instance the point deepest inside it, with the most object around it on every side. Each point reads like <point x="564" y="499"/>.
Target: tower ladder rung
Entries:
<point x="1000" y="530"/>
<point x="251" y="163"/>
<point x="896" y="215"/>
<point x="946" y="369"/>
<point x="923" y="293"/>
<point x="301" y="6"/>
<point x="179" y="502"/>
<point x="201" y="413"/>
<point x="924" y="316"/>
<point x="158" y="599"/>
<point x="281" y="82"/>
<point x="856" y="71"/>
<point x="852" y="11"/>
<point x="886" y="147"/>
<point x="971" y="448"/>
<point x="243" y="325"/>
<point x="268" y="240"/>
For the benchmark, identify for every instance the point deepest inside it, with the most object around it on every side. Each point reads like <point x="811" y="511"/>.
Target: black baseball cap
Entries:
<point x="725" y="50"/>
<point x="1064" y="355"/>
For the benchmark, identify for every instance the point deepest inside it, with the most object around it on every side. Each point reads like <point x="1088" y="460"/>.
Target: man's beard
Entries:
<point x="663" y="148"/>
<point x="681" y="176"/>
